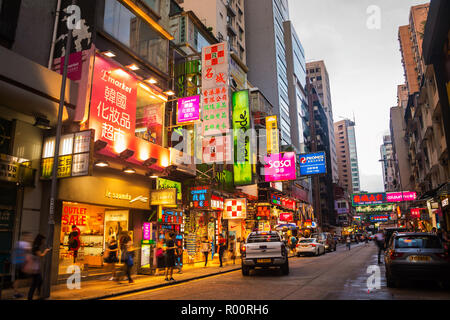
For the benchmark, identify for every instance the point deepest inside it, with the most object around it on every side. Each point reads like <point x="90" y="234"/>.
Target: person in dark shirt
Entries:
<point x="170" y="255"/>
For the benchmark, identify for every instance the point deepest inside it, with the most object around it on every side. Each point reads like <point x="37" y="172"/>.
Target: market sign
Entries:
<point x="401" y="196"/>
<point x="200" y="197"/>
<point x="376" y="208"/>
<point x="379" y="218"/>
<point x="162" y="184"/>
<point x="263" y="212"/>
<point x="312" y="163"/>
<point x="217" y="202"/>
<point x="282" y="202"/>
<point x="163" y="197"/>
<point x="113" y="105"/>
<point x="362" y="199"/>
<point x="241" y="124"/>
<point x="280" y="167"/>
<point x="188" y="109"/>
<point x="215" y="87"/>
<point x="75" y="155"/>
<point x="235" y="209"/>
<point x="272" y="135"/>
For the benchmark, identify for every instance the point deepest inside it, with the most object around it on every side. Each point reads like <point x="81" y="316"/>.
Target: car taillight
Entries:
<point x="313" y="245"/>
<point x="297" y="245"/>
<point x="243" y="249"/>
<point x="394" y="255"/>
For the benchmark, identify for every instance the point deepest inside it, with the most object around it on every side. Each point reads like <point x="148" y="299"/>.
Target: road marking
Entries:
<point x="166" y="287"/>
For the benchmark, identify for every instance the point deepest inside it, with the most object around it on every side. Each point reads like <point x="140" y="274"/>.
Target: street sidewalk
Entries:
<point x="99" y="289"/>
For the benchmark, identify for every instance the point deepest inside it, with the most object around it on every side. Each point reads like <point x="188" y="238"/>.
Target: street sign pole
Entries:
<point x="51" y="216"/>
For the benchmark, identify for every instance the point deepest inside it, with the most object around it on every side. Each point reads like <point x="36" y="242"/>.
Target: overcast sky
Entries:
<point x="364" y="66"/>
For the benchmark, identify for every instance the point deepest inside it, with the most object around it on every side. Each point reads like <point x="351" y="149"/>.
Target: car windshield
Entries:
<point x="307" y="240"/>
<point x="263" y="238"/>
<point x="418" y="242"/>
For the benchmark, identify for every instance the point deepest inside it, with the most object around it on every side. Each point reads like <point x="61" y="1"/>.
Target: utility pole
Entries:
<point x="51" y="216"/>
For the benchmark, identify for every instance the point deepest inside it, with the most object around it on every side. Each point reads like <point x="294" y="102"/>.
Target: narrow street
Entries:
<point x="339" y="275"/>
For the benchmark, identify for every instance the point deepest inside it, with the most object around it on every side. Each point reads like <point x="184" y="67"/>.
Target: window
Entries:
<point x="153" y="4"/>
<point x="136" y="34"/>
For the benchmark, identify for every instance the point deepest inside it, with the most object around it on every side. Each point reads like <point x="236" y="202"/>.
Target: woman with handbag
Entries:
<point x="111" y="256"/>
<point x="32" y="265"/>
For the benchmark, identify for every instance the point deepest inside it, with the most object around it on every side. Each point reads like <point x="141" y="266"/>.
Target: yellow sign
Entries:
<point x="64" y="167"/>
<point x="272" y="135"/>
<point x="163" y="197"/>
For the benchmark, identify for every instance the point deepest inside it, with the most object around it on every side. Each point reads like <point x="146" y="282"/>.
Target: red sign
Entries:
<point x="263" y="211"/>
<point x="74" y="66"/>
<point x="74" y="216"/>
<point x="368" y="198"/>
<point x="286" y="216"/>
<point x="113" y="106"/>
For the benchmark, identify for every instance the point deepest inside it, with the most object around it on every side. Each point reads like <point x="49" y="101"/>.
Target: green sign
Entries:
<point x="224" y="179"/>
<point x="241" y="124"/>
<point x="379" y="208"/>
<point x="169" y="184"/>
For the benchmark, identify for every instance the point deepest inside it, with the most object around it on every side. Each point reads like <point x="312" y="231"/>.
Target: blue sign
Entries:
<point x="312" y="163"/>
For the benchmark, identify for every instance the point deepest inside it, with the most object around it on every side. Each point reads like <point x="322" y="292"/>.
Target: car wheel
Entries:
<point x="285" y="268"/>
<point x="245" y="270"/>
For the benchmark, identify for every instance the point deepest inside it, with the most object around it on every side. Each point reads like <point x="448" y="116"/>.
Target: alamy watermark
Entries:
<point x="374" y="18"/>
<point x="74" y="280"/>
<point x="374" y="280"/>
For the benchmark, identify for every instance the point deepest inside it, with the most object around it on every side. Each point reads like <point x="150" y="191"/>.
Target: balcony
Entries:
<point x="230" y="9"/>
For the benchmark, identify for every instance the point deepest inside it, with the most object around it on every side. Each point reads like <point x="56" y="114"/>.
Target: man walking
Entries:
<point x="349" y="242"/>
<point x="379" y="238"/>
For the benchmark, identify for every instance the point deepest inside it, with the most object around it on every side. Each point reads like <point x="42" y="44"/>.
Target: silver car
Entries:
<point x="311" y="246"/>
<point x="416" y="256"/>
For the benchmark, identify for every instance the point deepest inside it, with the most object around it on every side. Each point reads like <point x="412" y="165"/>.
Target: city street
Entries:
<point x="339" y="275"/>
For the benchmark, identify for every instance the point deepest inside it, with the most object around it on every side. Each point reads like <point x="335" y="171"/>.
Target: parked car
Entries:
<point x="310" y="246"/>
<point x="418" y="256"/>
<point x="388" y="232"/>
<point x="264" y="250"/>
<point x="327" y="240"/>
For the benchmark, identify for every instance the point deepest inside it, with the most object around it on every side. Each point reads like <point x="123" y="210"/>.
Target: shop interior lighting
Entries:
<point x="127" y="153"/>
<point x="151" y="80"/>
<point x="129" y="170"/>
<point x="101" y="164"/>
<point x="150" y="161"/>
<point x="109" y="54"/>
<point x="42" y="123"/>
<point x="133" y="67"/>
<point x="99" y="145"/>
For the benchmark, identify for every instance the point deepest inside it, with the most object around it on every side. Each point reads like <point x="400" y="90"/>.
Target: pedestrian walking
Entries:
<point x="33" y="265"/>
<point x="170" y="256"/>
<point x="160" y="258"/>
<point x="366" y="240"/>
<point x="379" y="238"/>
<point x="111" y="256"/>
<point x="127" y="257"/>
<point x="179" y="258"/>
<point x="349" y="242"/>
<point x="293" y="243"/>
<point x="74" y="242"/>
<point x="232" y="249"/>
<point x="222" y="248"/>
<point x="22" y="249"/>
<point x="206" y="249"/>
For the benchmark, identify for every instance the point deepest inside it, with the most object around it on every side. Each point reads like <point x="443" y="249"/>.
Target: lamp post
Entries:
<point x="51" y="216"/>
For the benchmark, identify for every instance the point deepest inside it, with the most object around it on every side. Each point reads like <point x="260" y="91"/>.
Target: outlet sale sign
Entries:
<point x="312" y="163"/>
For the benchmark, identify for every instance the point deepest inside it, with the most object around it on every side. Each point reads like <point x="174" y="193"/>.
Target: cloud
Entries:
<point x="371" y="183"/>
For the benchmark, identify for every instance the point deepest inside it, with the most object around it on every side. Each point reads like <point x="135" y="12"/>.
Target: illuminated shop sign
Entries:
<point x="263" y="212"/>
<point x="235" y="209"/>
<point x="280" y="167"/>
<point x="416" y="212"/>
<point x="361" y="199"/>
<point x="200" y="197"/>
<point x="172" y="217"/>
<point x="286" y="216"/>
<point x="75" y="155"/>
<point x="375" y="208"/>
<point x="379" y="218"/>
<point x="401" y="196"/>
<point x="163" y="197"/>
<point x="241" y="124"/>
<point x="283" y="202"/>
<point x="312" y="163"/>
<point x="147" y="231"/>
<point x="162" y="184"/>
<point x="217" y="202"/>
<point x="272" y="135"/>
<point x="188" y="109"/>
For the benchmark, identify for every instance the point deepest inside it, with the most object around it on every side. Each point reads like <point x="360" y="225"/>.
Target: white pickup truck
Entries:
<point x="264" y="250"/>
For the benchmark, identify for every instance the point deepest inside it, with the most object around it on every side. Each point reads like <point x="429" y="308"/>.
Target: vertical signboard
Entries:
<point x="215" y="88"/>
<point x="113" y="105"/>
<point x="241" y="124"/>
<point x="188" y="109"/>
<point x="272" y="135"/>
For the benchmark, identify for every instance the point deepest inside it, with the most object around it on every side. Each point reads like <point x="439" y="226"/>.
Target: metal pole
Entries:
<point x="51" y="217"/>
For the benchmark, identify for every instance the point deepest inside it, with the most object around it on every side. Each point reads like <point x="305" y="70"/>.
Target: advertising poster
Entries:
<point x="188" y="109"/>
<point x="280" y="167"/>
<point x="116" y="222"/>
<point x="312" y="163"/>
<point x="241" y="124"/>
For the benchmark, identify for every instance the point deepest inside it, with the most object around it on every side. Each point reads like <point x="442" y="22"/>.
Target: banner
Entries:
<point x="241" y="124"/>
<point x="272" y="135"/>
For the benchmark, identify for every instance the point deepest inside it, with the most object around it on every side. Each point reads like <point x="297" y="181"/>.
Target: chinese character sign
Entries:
<point x="215" y="99"/>
<point x="188" y="109"/>
<point x="280" y="167"/>
<point x="113" y="105"/>
<point x="272" y="134"/>
<point x="200" y="197"/>
<point x="360" y="199"/>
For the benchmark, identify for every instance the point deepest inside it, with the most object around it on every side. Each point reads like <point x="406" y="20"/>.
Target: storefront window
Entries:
<point x="149" y="117"/>
<point x="136" y="34"/>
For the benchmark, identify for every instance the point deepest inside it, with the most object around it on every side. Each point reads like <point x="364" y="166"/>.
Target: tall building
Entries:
<point x="266" y="57"/>
<point x="318" y="75"/>
<point x="347" y="157"/>
<point x="388" y="164"/>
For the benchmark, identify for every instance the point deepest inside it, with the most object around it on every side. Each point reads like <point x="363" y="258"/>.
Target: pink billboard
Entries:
<point x="188" y="109"/>
<point x="401" y="196"/>
<point x="280" y="167"/>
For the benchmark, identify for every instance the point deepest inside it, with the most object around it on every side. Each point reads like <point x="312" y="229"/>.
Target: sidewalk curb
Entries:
<point x="159" y="285"/>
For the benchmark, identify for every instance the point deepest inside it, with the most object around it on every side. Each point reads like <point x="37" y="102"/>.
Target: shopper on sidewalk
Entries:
<point x="33" y="265"/>
<point x="206" y="249"/>
<point x="127" y="257"/>
<point x="179" y="258"/>
<point x="160" y="258"/>
<point x="232" y="249"/>
<point x="111" y="256"/>
<point x="222" y="248"/>
<point x="22" y="249"/>
<point x="170" y="256"/>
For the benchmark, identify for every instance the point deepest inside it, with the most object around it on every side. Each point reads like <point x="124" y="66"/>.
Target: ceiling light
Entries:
<point x="133" y="67"/>
<point x="169" y="93"/>
<point x="109" y="54"/>
<point x="101" y="164"/>
<point x="151" y="80"/>
<point x="129" y="170"/>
